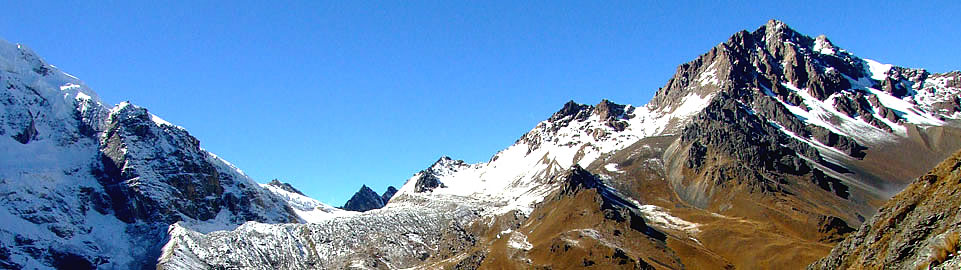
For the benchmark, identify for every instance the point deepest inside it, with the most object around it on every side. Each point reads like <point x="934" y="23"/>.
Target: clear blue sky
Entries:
<point x="329" y="95"/>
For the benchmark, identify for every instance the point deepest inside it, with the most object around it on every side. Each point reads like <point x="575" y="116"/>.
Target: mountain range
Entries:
<point x="772" y="150"/>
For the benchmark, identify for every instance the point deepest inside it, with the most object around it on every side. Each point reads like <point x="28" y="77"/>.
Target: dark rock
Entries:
<point x="389" y="193"/>
<point x="159" y="173"/>
<point x="66" y="260"/>
<point x="427" y="179"/>
<point x="427" y="182"/>
<point x="828" y="183"/>
<point x="573" y="110"/>
<point x="610" y="113"/>
<point x="29" y="133"/>
<point x="364" y="200"/>
<point x="843" y="143"/>
<point x="833" y="228"/>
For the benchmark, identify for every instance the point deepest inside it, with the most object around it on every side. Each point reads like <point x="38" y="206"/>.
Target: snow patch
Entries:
<point x="821" y="46"/>
<point x="612" y="167"/>
<point x="709" y="76"/>
<point x="692" y="103"/>
<point x="823" y="114"/>
<point x="519" y="241"/>
<point x="69" y="86"/>
<point x="308" y="209"/>
<point x="878" y="71"/>
<point x="657" y="216"/>
<point x="160" y="121"/>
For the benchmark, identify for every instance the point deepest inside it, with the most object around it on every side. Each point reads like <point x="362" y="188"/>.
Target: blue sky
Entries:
<point x="329" y="95"/>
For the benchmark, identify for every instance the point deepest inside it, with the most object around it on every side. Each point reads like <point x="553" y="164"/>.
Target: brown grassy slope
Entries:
<point x="910" y="230"/>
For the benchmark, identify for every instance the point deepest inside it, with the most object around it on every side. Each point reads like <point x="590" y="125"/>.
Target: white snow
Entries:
<point x="878" y="71"/>
<point x="823" y="114"/>
<point x="612" y="167"/>
<point x="159" y="121"/>
<point x="709" y="76"/>
<point x="935" y="89"/>
<point x="514" y="178"/>
<point x="56" y="185"/>
<point x="821" y="46"/>
<point x="905" y="109"/>
<point x="69" y="86"/>
<point x="518" y="240"/>
<point x="308" y="209"/>
<point x="692" y="103"/>
<point x="660" y="217"/>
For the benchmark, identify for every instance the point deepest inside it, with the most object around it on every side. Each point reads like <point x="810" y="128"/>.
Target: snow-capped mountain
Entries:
<point x="762" y="152"/>
<point x="86" y="185"/>
<point x="772" y="140"/>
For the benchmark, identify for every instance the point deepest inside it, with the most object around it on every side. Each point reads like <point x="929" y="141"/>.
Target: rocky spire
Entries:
<point x="364" y="200"/>
<point x="391" y="190"/>
<point x="571" y="109"/>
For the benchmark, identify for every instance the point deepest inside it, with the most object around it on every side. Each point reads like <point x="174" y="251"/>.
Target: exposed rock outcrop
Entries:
<point x="364" y="200"/>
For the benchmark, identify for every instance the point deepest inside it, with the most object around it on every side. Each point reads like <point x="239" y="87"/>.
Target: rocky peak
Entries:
<point x="389" y="193"/>
<point x="364" y="200"/>
<point x="284" y="186"/>
<point x="571" y="110"/>
<point x="609" y="110"/>
<point x="823" y="45"/>
<point x="446" y="162"/>
<point x="610" y="114"/>
<point x="428" y="179"/>
<point x="775" y="30"/>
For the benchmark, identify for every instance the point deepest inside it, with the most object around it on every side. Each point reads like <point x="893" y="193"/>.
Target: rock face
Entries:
<point x="389" y="193"/>
<point x="145" y="164"/>
<point x="365" y="199"/>
<point x="917" y="229"/>
<point x="88" y="186"/>
<point x="427" y="180"/>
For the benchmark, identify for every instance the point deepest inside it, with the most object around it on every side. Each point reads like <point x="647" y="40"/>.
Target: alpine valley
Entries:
<point x="765" y="152"/>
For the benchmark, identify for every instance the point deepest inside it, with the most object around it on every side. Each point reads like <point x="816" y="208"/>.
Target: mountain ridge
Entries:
<point x="773" y="140"/>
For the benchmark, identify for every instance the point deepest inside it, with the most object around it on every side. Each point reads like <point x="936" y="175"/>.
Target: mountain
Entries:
<point x="86" y="185"/>
<point x="764" y="152"/>
<point x="917" y="229"/>
<point x="366" y="199"/>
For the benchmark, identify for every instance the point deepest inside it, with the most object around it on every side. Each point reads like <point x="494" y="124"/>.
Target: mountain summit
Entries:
<point x="366" y="199"/>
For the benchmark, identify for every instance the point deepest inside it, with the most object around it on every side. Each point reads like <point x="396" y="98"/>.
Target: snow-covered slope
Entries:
<point x="85" y="185"/>
<point x="307" y="209"/>
<point x="514" y="178"/>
